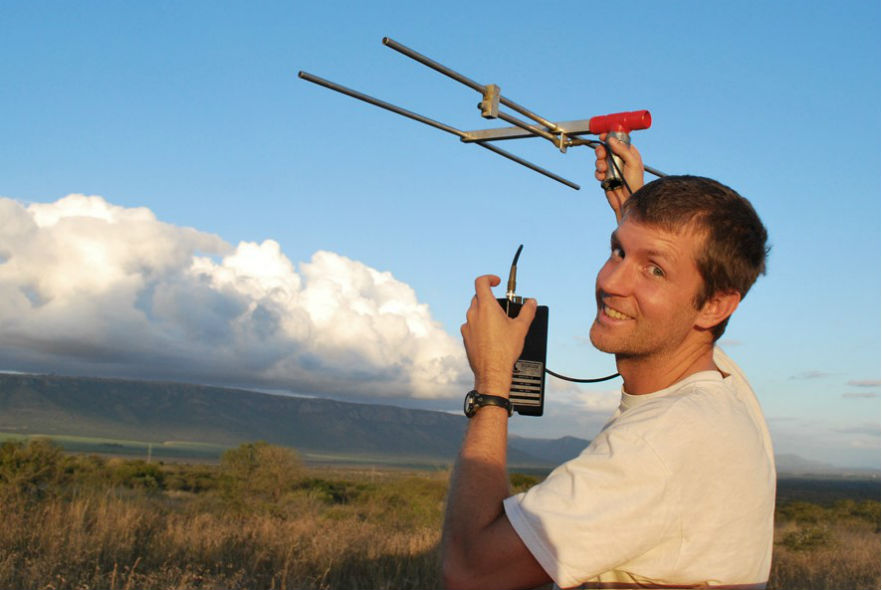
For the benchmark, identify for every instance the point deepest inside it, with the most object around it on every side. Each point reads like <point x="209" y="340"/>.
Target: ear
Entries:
<point x="717" y="309"/>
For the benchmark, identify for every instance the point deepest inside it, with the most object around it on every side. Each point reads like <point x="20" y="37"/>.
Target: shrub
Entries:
<point x="191" y="478"/>
<point x="33" y="469"/>
<point x="260" y="470"/>
<point x="867" y="510"/>
<point x="88" y="471"/>
<point x="521" y="482"/>
<point x="405" y="503"/>
<point x="806" y="538"/>
<point x="138" y="474"/>
<point x="805" y="512"/>
<point x="332" y="492"/>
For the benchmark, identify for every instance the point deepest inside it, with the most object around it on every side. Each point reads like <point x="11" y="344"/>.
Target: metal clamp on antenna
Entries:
<point x="490" y="105"/>
<point x="561" y="134"/>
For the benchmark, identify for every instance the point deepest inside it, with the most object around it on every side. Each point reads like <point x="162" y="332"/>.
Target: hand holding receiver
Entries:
<point x="494" y="341"/>
<point x="632" y="171"/>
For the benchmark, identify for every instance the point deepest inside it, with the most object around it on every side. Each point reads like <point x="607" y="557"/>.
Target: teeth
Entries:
<point x="614" y="314"/>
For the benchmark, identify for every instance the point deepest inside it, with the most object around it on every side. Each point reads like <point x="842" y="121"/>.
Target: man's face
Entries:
<point x="646" y="291"/>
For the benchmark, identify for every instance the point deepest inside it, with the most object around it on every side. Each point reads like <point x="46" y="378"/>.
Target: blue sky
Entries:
<point x="191" y="115"/>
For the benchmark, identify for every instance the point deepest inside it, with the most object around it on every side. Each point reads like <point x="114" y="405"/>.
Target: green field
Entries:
<point x="172" y="450"/>
<point x="192" y="451"/>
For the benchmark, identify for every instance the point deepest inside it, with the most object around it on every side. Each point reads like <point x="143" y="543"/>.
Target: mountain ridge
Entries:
<point x="167" y="411"/>
<point x="160" y="412"/>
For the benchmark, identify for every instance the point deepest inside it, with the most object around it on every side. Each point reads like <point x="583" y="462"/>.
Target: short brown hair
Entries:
<point x="734" y="251"/>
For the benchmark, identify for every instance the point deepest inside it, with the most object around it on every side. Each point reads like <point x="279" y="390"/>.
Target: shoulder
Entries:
<point x="703" y="420"/>
<point x="692" y="401"/>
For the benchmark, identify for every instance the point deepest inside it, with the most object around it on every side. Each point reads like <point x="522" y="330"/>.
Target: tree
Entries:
<point x="261" y="470"/>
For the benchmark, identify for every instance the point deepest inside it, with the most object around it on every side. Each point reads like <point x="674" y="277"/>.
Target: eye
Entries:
<point x="617" y="253"/>
<point x="656" y="271"/>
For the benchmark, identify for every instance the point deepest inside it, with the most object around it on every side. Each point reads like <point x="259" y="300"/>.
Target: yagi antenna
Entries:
<point x="563" y="134"/>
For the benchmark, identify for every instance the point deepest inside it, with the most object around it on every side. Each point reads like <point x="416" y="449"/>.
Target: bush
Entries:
<point x="804" y="512"/>
<point x="405" y="503"/>
<point x="88" y="471"/>
<point x="191" y="478"/>
<point x="866" y="510"/>
<point x="521" y="482"/>
<point x="332" y="492"/>
<point x="138" y="474"/>
<point x="260" y="470"/>
<point x="807" y="538"/>
<point x="32" y="470"/>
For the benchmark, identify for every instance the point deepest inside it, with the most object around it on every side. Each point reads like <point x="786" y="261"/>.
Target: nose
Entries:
<point x="614" y="278"/>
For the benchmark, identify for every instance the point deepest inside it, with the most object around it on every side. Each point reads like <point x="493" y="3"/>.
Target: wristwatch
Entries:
<point x="475" y="400"/>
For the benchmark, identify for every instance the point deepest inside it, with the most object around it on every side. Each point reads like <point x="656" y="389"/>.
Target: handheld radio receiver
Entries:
<point x="527" y="393"/>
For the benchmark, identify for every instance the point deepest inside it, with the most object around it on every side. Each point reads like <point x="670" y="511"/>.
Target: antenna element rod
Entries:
<point x="380" y="103"/>
<point x="652" y="170"/>
<point x="529" y="165"/>
<point x="465" y="80"/>
<point x="432" y="64"/>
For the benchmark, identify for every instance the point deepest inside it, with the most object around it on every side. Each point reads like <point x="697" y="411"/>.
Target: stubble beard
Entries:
<point x="621" y="348"/>
<point x="641" y="343"/>
<point x="629" y="342"/>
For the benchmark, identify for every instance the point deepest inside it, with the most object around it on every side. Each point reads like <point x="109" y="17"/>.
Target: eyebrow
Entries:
<point x="614" y="237"/>
<point x="665" y="255"/>
<point x="660" y="255"/>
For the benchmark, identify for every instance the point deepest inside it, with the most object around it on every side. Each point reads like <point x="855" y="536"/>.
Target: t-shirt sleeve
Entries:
<point x="597" y="511"/>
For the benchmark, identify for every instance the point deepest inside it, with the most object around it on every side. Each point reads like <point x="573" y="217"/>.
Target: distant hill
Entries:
<point x="162" y="412"/>
<point x="158" y="412"/>
<point x="555" y="450"/>
<point x="796" y="465"/>
<point x="790" y="465"/>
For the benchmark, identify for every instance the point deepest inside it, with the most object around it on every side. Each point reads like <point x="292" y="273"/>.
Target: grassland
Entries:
<point x="172" y="450"/>
<point x="263" y="519"/>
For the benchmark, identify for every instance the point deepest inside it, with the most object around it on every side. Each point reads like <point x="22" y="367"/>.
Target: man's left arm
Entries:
<point x="632" y="172"/>
<point x="480" y="548"/>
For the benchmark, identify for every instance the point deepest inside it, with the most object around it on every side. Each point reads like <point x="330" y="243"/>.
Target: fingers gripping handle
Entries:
<point x="615" y="165"/>
<point x="618" y="125"/>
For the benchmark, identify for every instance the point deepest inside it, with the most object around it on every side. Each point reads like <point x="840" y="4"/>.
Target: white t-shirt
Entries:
<point x="677" y="489"/>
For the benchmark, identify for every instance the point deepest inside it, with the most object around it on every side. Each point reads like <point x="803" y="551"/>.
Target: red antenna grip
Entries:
<point x="622" y="122"/>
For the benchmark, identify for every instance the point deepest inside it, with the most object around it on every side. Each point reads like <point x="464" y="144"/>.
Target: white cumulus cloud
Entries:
<point x="88" y="287"/>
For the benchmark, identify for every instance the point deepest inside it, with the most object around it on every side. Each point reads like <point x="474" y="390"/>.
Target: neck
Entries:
<point x="648" y="374"/>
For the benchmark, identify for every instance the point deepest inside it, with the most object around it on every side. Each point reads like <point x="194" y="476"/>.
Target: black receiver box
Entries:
<point x="527" y="393"/>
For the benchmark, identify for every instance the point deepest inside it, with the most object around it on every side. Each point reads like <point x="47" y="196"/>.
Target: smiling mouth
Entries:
<point x="615" y="314"/>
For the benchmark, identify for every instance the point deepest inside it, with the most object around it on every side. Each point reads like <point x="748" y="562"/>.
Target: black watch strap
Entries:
<point x="475" y="400"/>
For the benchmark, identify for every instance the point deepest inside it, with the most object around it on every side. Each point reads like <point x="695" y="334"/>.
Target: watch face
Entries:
<point x="468" y="406"/>
<point x="474" y="400"/>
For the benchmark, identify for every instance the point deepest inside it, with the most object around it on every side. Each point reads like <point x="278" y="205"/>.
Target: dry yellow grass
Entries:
<point x="123" y="525"/>
<point x="114" y="542"/>
<point x="834" y="555"/>
<point x="132" y="541"/>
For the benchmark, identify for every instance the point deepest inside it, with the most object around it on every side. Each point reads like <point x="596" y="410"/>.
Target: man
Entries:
<point x="678" y="488"/>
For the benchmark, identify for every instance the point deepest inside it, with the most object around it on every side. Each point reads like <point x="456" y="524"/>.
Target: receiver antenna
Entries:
<point x="513" y="276"/>
<point x="563" y="134"/>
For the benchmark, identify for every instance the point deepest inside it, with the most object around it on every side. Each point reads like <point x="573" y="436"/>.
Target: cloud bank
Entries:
<point x="88" y="287"/>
